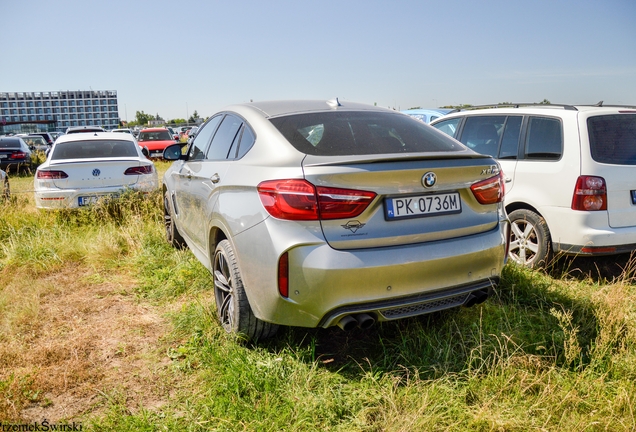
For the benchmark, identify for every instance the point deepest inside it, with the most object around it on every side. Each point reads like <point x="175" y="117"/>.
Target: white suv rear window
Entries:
<point x="613" y="138"/>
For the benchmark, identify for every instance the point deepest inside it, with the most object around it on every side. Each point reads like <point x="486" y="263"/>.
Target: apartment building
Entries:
<point x="57" y="110"/>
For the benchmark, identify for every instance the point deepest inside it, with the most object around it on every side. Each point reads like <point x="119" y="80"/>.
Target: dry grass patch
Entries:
<point x="69" y="344"/>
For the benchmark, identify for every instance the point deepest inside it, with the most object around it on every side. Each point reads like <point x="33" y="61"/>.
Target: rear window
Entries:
<point x="155" y="136"/>
<point x="9" y="143"/>
<point x="361" y="133"/>
<point x="94" y="149"/>
<point x="613" y="138"/>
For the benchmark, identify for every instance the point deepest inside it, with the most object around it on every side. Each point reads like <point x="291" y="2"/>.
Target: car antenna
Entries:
<point x="600" y="104"/>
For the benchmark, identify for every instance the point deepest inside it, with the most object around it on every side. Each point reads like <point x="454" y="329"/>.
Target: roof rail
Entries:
<point x="516" y="105"/>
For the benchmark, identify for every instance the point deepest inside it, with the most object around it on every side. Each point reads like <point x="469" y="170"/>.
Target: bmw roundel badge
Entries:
<point x="96" y="172"/>
<point x="429" y="179"/>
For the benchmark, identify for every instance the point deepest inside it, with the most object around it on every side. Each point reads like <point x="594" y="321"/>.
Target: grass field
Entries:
<point x="103" y="324"/>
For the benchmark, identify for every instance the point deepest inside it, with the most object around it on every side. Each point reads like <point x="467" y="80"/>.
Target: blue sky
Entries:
<point x="172" y="58"/>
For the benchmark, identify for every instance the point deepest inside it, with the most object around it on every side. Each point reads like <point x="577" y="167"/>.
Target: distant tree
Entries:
<point x="417" y="107"/>
<point x="544" y="102"/>
<point x="142" y="118"/>
<point x="177" y="121"/>
<point x="193" y="118"/>
<point x="460" y="106"/>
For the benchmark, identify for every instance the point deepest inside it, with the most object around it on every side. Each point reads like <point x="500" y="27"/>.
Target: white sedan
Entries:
<point x="82" y="168"/>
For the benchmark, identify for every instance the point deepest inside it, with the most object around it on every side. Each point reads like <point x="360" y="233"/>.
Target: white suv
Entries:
<point x="570" y="174"/>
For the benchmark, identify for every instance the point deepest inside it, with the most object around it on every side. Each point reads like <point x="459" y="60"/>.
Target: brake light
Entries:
<point x="51" y="175"/>
<point x="17" y="155"/>
<point x="300" y="200"/>
<point x="283" y="275"/>
<point x="489" y="191"/>
<point x="590" y="194"/>
<point x="137" y="170"/>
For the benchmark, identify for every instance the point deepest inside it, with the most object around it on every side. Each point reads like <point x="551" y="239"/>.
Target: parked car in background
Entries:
<point x="15" y="154"/>
<point x="81" y="129"/>
<point x="191" y="133"/>
<point x="6" y="190"/>
<point x="155" y="140"/>
<point x="36" y="142"/>
<point x="83" y="168"/>
<point x="570" y="174"/>
<point x="56" y="135"/>
<point x="321" y="213"/>
<point x="173" y="132"/>
<point x="122" y="130"/>
<point x="427" y="115"/>
<point x="48" y="137"/>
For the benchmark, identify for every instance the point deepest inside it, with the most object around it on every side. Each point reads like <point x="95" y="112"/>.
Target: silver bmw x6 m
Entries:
<point x="322" y="213"/>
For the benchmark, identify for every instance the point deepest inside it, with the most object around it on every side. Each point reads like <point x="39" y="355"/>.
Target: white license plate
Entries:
<point x="156" y="154"/>
<point x="422" y="205"/>
<point x="87" y="200"/>
<point x="2" y="156"/>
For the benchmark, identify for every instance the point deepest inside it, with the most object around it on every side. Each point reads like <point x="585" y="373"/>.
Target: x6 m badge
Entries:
<point x="491" y="170"/>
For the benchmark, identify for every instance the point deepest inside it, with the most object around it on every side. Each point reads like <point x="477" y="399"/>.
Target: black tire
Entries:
<point x="6" y="192"/>
<point x="232" y="306"/>
<point x="530" y="242"/>
<point x="172" y="233"/>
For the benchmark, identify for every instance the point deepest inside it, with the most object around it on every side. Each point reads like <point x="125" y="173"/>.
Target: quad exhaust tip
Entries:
<point x="362" y="321"/>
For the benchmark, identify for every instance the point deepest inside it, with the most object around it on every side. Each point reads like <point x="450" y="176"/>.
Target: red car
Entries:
<point x="155" y="140"/>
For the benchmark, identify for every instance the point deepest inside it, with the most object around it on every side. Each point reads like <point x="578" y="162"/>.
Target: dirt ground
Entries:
<point x="89" y="344"/>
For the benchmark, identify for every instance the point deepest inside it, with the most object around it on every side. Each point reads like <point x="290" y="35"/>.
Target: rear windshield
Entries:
<point x="361" y="133"/>
<point x="9" y="143"/>
<point x="155" y="136"/>
<point x="94" y="149"/>
<point x="613" y="138"/>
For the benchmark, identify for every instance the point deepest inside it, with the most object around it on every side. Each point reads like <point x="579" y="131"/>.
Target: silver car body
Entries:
<point x="82" y="167"/>
<point x="339" y="267"/>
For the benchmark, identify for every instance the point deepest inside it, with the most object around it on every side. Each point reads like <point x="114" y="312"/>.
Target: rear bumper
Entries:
<point x="69" y="198"/>
<point x="326" y="284"/>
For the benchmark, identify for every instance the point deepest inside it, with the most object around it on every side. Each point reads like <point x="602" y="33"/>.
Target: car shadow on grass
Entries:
<point x="527" y="319"/>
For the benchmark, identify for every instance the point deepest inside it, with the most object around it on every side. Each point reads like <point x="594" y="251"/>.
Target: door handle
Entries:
<point x="215" y="178"/>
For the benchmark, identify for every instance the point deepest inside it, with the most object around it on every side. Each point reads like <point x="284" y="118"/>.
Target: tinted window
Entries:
<point x="510" y="140"/>
<point x="449" y="127"/>
<point x="223" y="138"/>
<point x="203" y="138"/>
<point x="94" y="149"/>
<point x="358" y="133"/>
<point x="10" y="143"/>
<point x="613" y="138"/>
<point x="247" y="141"/>
<point x="544" y="139"/>
<point x="482" y="133"/>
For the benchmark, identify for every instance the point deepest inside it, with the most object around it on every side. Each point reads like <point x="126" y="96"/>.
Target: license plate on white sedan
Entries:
<point x="87" y="200"/>
<point x="422" y="205"/>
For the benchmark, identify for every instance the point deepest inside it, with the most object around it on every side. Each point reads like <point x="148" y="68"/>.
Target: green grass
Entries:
<point x="551" y="350"/>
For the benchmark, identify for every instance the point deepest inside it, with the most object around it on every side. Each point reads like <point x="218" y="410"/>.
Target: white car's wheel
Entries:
<point x="529" y="238"/>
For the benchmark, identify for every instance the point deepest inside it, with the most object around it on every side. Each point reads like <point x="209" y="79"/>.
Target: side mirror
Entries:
<point x="173" y="152"/>
<point x="145" y="152"/>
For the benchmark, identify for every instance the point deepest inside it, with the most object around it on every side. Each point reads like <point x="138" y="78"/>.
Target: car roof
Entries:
<point x="154" y="129"/>
<point x="286" y="107"/>
<point x="90" y="136"/>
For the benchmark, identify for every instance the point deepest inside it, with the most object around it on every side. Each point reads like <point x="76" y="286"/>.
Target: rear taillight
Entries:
<point x="51" y="174"/>
<point x="489" y="191"/>
<point x="17" y="155"/>
<point x="137" y="170"/>
<point x="590" y="194"/>
<point x="300" y="200"/>
<point x="283" y="275"/>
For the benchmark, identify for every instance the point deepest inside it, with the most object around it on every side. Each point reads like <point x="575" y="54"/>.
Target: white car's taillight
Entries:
<point x="51" y="175"/>
<point x="138" y="170"/>
<point x="590" y="194"/>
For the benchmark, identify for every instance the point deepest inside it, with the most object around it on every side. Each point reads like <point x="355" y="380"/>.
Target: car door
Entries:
<point x="187" y="175"/>
<point x="208" y="178"/>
